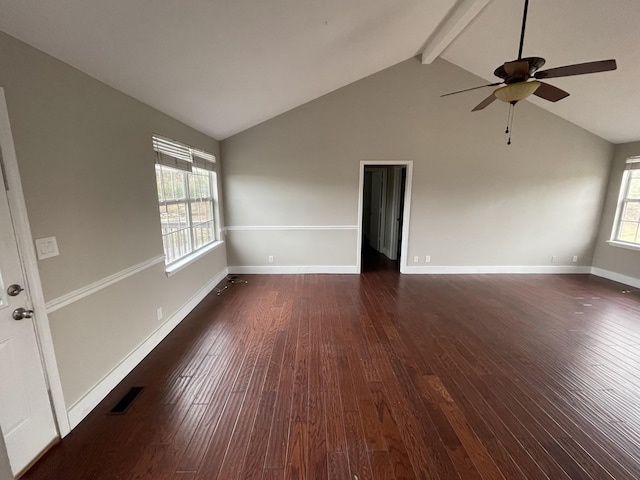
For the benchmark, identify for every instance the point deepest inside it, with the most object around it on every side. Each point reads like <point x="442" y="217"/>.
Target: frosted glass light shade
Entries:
<point x="515" y="92"/>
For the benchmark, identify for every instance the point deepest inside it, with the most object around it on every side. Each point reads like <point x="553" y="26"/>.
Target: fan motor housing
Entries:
<point x="535" y="63"/>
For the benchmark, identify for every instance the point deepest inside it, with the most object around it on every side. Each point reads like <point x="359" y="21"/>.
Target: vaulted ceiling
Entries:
<point x="222" y="66"/>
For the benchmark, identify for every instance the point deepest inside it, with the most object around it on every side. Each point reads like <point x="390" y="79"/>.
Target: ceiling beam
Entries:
<point x="460" y="15"/>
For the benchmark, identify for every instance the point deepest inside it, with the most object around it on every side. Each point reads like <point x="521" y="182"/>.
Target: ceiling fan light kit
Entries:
<point x="521" y="78"/>
<point x="516" y="91"/>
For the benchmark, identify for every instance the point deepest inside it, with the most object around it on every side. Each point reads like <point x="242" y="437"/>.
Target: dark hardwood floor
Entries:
<point x="380" y="376"/>
<point x="374" y="261"/>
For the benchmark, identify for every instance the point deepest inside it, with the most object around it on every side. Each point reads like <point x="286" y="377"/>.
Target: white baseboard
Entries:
<point x="87" y="403"/>
<point x="294" y="269"/>
<point x="419" y="270"/>
<point x="514" y="269"/>
<point x="616" y="277"/>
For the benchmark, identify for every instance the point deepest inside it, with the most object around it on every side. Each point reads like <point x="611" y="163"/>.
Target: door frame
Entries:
<point x="18" y="209"/>
<point x="404" y="247"/>
<point x="382" y="217"/>
<point x="396" y="201"/>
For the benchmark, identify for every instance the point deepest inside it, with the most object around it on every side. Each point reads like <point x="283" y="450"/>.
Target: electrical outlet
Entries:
<point x="554" y="259"/>
<point x="270" y="258"/>
<point x="416" y="259"/>
<point x="427" y="259"/>
<point x="575" y="259"/>
<point x="159" y="313"/>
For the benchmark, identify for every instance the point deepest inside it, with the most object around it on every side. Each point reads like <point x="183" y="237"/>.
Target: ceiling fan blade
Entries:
<point x="549" y="92"/>
<point x="578" y="69"/>
<point x="485" y="103"/>
<point x="519" y="68"/>
<point x="473" y="88"/>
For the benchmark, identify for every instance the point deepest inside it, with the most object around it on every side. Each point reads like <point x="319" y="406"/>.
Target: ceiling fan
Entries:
<point x="521" y="78"/>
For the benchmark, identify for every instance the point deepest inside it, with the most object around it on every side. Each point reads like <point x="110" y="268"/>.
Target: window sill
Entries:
<point x="189" y="259"/>
<point x="628" y="246"/>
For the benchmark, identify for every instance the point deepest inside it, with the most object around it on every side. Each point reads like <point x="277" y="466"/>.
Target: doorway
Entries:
<point x="383" y="215"/>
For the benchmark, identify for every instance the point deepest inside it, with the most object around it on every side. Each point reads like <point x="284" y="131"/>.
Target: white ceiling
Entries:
<point x="222" y="66"/>
<point x="564" y="32"/>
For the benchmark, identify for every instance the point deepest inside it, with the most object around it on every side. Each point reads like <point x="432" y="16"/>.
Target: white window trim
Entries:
<point x="628" y="246"/>
<point x="172" y="154"/>
<point x="624" y="185"/>
<point x="187" y="201"/>
<point x="178" y="265"/>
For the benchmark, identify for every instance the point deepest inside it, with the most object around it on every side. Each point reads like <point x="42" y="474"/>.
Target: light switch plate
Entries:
<point x="47" y="247"/>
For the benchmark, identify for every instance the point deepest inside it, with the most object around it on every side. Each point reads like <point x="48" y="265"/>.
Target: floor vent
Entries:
<point x="125" y="402"/>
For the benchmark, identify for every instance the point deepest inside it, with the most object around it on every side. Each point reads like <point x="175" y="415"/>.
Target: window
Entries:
<point x="187" y="198"/>
<point x="627" y="227"/>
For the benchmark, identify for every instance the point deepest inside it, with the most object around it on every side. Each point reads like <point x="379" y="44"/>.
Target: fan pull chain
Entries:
<point x="509" y="118"/>
<point x="512" y="114"/>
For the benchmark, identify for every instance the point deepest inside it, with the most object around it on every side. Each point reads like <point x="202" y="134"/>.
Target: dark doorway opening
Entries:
<point x="383" y="201"/>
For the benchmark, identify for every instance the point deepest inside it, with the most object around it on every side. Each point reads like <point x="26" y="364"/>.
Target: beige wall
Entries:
<point x="87" y="168"/>
<point x="475" y="200"/>
<point x="621" y="261"/>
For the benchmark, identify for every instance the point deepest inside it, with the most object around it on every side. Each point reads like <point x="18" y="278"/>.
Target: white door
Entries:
<point x="26" y="415"/>
<point x="376" y="222"/>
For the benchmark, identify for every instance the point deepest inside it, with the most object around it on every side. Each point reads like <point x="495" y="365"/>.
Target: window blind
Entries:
<point x="172" y="154"/>
<point x="179" y="156"/>
<point x="633" y="163"/>
<point x="204" y="160"/>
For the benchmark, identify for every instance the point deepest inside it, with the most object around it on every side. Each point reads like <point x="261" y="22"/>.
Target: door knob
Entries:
<point x="22" y="313"/>
<point x="14" y="290"/>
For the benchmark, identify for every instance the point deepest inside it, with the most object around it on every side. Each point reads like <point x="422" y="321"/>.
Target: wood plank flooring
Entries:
<point x="380" y="376"/>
